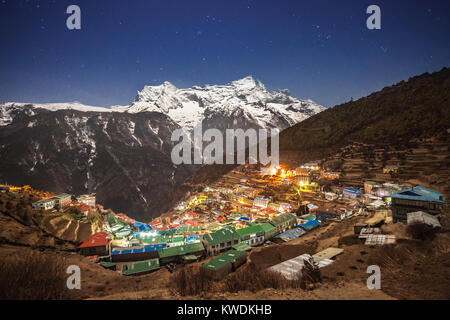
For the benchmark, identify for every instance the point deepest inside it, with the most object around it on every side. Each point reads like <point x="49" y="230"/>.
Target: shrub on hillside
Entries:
<point x="254" y="279"/>
<point x="191" y="281"/>
<point x="32" y="276"/>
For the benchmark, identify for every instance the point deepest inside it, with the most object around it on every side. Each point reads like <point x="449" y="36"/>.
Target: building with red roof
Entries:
<point x="193" y="223"/>
<point x="97" y="244"/>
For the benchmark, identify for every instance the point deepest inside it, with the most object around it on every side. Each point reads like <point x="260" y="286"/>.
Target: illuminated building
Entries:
<point x="302" y="180"/>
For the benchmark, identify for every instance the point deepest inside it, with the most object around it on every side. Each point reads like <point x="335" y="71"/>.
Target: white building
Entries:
<point x="62" y="200"/>
<point x="87" y="199"/>
<point x="45" y="204"/>
<point x="261" y="202"/>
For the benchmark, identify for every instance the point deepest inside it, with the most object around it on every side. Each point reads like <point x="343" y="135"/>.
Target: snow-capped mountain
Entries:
<point x="247" y="98"/>
<point x="123" y="152"/>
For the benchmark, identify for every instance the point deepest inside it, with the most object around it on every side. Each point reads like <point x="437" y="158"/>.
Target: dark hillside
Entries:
<point x="419" y="107"/>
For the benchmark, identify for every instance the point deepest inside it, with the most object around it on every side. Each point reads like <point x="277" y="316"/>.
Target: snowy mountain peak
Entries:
<point x="246" y="99"/>
<point x="248" y="83"/>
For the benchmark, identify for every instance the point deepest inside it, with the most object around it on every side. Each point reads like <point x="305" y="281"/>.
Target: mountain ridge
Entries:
<point x="188" y="107"/>
<point x="123" y="155"/>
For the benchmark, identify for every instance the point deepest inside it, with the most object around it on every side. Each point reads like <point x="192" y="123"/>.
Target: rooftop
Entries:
<point x="180" y="250"/>
<point x="97" y="239"/>
<point x="282" y="219"/>
<point x="223" y="260"/>
<point x="420" y="193"/>
<point x="253" y="229"/>
<point x="222" y="235"/>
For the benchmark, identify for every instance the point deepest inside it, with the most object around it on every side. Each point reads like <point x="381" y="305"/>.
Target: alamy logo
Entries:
<point x="374" y="280"/>
<point x="74" y="280"/>
<point x="236" y="143"/>
<point x="374" y="20"/>
<point x="74" y="20"/>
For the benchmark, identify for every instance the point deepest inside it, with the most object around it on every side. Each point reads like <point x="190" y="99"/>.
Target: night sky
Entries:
<point x="317" y="49"/>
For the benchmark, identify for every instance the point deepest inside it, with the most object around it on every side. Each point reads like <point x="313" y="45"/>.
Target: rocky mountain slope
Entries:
<point x="124" y="158"/>
<point x="246" y="101"/>
<point x="122" y="153"/>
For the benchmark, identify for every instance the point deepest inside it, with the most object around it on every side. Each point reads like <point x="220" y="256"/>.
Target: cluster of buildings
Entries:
<point x="227" y="220"/>
<point x="126" y="242"/>
<point x="220" y="221"/>
<point x="61" y="201"/>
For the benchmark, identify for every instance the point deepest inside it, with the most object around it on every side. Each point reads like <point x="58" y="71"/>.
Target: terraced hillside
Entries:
<point x="422" y="161"/>
<point x="21" y="225"/>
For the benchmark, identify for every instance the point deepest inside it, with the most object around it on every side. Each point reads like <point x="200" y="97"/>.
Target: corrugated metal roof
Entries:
<point x="137" y="249"/>
<point x="140" y="266"/>
<point x="380" y="239"/>
<point x="310" y="224"/>
<point x="283" y="218"/>
<point x="190" y="229"/>
<point x="291" y="234"/>
<point x="352" y="190"/>
<point x="267" y="227"/>
<point x="242" y="247"/>
<point x="307" y="217"/>
<point x="223" y="260"/>
<point x="222" y="235"/>
<point x="97" y="239"/>
<point x="290" y="268"/>
<point x="420" y="217"/>
<point x="180" y="250"/>
<point x="253" y="229"/>
<point x="419" y="193"/>
<point x="328" y="253"/>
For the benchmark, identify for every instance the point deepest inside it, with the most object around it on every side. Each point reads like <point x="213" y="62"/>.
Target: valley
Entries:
<point x="344" y="197"/>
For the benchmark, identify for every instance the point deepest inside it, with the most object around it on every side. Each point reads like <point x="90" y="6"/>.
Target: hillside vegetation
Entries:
<point x="419" y="107"/>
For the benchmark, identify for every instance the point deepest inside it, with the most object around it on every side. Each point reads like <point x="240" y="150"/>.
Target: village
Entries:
<point x="250" y="207"/>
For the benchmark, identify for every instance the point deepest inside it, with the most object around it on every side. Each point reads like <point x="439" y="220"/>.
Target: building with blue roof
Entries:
<point x="310" y="224"/>
<point x="415" y="199"/>
<point x="351" y="193"/>
<point x="291" y="234"/>
<point x="136" y="253"/>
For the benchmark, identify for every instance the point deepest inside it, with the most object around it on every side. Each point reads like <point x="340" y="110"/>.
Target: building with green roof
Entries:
<point x="253" y="235"/>
<point x="284" y="222"/>
<point x="225" y="263"/>
<point x="307" y="217"/>
<point x="220" y="240"/>
<point x="140" y="267"/>
<point x="108" y="265"/>
<point x="190" y="229"/>
<point x="170" y="238"/>
<point x="170" y="254"/>
<point x="269" y="230"/>
<point x="213" y="226"/>
<point x="241" y="247"/>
